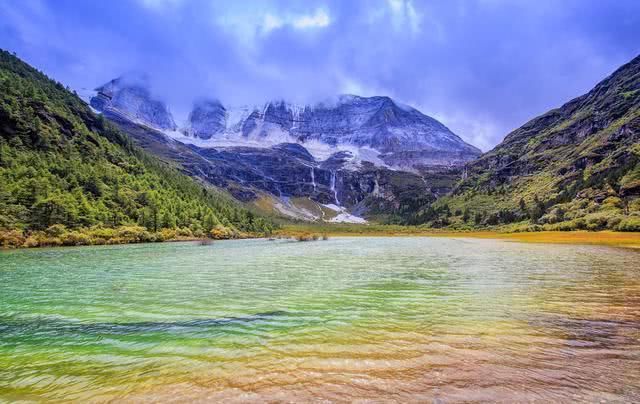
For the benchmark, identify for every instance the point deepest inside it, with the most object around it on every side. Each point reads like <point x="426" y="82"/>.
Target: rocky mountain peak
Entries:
<point x="346" y="121"/>
<point x="392" y="133"/>
<point x="130" y="96"/>
<point x="207" y="119"/>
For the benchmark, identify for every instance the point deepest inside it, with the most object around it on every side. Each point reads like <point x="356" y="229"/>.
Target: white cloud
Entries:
<point x="404" y="14"/>
<point x="249" y="25"/>
<point x="351" y="87"/>
<point x="478" y="130"/>
<point x="271" y="22"/>
<point x="317" y="20"/>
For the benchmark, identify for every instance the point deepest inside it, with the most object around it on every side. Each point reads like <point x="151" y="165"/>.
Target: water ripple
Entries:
<point x="384" y="319"/>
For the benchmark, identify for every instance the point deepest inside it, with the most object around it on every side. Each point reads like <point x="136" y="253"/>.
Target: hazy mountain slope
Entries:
<point x="386" y="132"/>
<point x="577" y="166"/>
<point x="289" y="180"/>
<point x="208" y="118"/>
<point x="379" y="123"/>
<point x="131" y="96"/>
<point x="60" y="164"/>
<point x="333" y="156"/>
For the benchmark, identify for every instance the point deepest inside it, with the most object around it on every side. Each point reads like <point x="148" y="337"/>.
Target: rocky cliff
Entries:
<point x="287" y="180"/>
<point x="131" y="97"/>
<point x="401" y="135"/>
<point x="352" y="155"/>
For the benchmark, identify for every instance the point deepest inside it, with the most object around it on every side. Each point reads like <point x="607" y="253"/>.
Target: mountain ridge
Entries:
<point x="575" y="167"/>
<point x="393" y="130"/>
<point x="70" y="177"/>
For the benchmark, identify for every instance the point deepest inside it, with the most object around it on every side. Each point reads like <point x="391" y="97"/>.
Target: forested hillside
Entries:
<point x="68" y="176"/>
<point x="575" y="167"/>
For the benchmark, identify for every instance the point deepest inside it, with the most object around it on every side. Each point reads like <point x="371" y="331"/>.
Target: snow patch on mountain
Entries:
<point x="362" y="129"/>
<point x="320" y="151"/>
<point x="343" y="215"/>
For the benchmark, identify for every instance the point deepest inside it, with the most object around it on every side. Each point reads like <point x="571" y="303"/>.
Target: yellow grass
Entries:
<point x="610" y="238"/>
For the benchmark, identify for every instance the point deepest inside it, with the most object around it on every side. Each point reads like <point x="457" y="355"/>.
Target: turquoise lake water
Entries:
<point x="397" y="319"/>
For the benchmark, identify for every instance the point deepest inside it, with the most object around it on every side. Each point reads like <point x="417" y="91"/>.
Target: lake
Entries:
<point x="396" y="319"/>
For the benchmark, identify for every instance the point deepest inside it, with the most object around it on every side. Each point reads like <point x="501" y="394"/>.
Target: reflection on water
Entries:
<point x="397" y="319"/>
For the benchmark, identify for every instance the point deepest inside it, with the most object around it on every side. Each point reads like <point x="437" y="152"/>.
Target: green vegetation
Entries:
<point x="69" y="177"/>
<point x="574" y="168"/>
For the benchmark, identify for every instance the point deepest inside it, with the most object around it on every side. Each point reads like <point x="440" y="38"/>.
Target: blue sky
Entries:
<point x="482" y="67"/>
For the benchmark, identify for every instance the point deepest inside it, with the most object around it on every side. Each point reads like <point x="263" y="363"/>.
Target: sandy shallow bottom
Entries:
<point x="349" y="319"/>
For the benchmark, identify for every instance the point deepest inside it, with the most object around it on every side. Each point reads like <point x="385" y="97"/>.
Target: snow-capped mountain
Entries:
<point x="395" y="131"/>
<point x="131" y="97"/>
<point x="375" y="129"/>
<point x="338" y="160"/>
<point x="207" y="119"/>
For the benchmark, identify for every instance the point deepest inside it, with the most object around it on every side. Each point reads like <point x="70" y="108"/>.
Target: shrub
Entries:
<point x="136" y="234"/>
<point x="184" y="232"/>
<point x="629" y="224"/>
<point x="612" y="203"/>
<point x="56" y="230"/>
<point x="167" y="234"/>
<point x="220" y="233"/>
<point x="12" y="238"/>
<point x="31" y="241"/>
<point x="602" y="220"/>
<point x="49" y="241"/>
<point x="76" y="238"/>
<point x="115" y="240"/>
<point x="579" y="223"/>
<point x="104" y="233"/>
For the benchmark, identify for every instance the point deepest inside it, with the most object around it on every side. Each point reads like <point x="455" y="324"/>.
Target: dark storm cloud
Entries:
<point x="482" y="67"/>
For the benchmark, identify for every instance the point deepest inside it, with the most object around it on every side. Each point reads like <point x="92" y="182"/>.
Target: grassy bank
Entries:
<point x="610" y="238"/>
<point x="59" y="235"/>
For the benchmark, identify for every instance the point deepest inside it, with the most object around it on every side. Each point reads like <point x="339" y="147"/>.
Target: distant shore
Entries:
<point x="607" y="238"/>
<point x="310" y="232"/>
<point x="60" y="236"/>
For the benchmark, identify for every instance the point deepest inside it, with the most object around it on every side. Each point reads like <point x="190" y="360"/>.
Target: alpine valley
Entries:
<point x="348" y="159"/>
<point x="359" y="159"/>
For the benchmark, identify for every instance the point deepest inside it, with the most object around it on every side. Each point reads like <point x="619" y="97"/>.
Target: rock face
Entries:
<point x="388" y="132"/>
<point x="130" y="96"/>
<point x="288" y="171"/>
<point x="598" y="130"/>
<point x="207" y="119"/>
<point x="574" y="167"/>
<point x="402" y="135"/>
<point x="348" y="154"/>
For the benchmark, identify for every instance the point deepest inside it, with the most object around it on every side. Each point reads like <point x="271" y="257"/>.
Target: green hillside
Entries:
<point x="67" y="176"/>
<point x="575" y="167"/>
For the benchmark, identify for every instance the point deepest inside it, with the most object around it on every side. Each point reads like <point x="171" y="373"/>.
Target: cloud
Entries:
<point x="317" y="20"/>
<point x="251" y="24"/>
<point x="404" y="14"/>
<point x="482" y="67"/>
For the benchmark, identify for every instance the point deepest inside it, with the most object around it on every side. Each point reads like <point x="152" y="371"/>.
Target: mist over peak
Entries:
<point x="417" y="53"/>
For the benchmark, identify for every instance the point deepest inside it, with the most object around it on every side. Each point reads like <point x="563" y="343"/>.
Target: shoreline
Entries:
<point x="604" y="238"/>
<point x="16" y="240"/>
